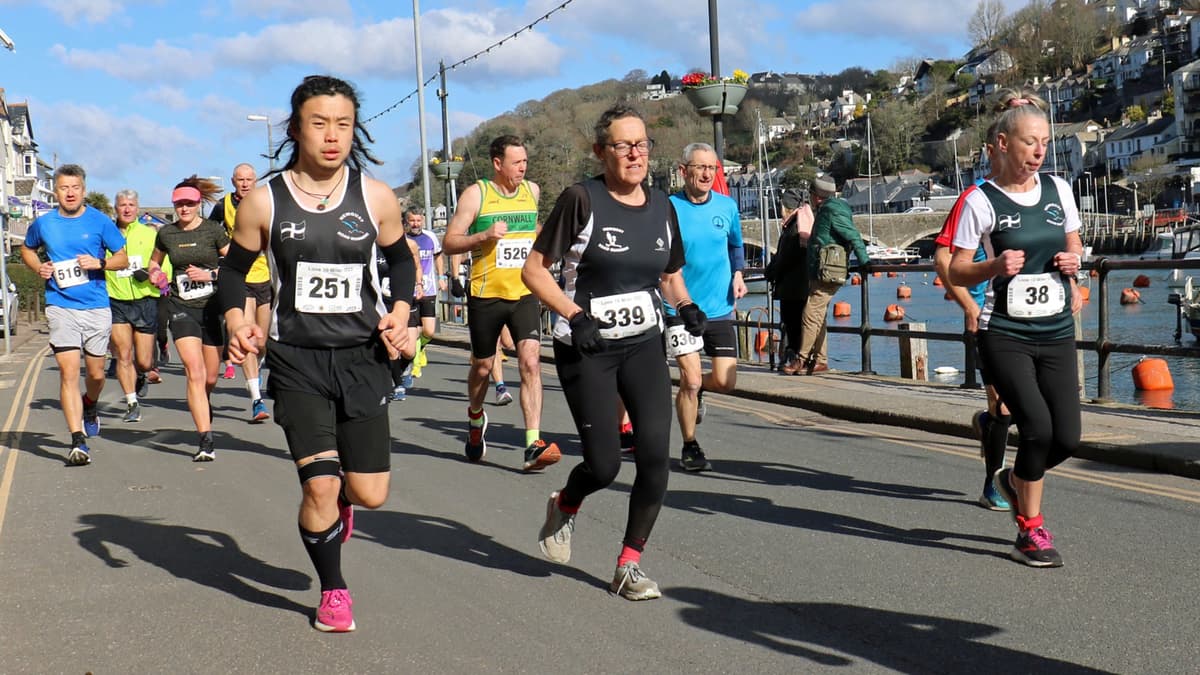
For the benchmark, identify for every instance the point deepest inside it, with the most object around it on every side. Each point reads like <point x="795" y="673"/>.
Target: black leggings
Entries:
<point x="638" y="374"/>
<point x="1039" y="382"/>
<point x="791" y="313"/>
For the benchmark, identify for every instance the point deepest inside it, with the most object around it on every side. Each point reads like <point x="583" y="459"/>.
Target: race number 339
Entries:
<point x="328" y="288"/>
<point x="1036" y="295"/>
<point x="680" y="342"/>
<point x="629" y="313"/>
<point x="68" y="273"/>
<point x="512" y="253"/>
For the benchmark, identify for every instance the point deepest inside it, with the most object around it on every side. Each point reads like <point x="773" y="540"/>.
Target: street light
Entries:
<point x="8" y="320"/>
<point x="270" y="142"/>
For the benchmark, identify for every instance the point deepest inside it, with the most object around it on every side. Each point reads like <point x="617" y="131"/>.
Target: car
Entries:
<point x="13" y="311"/>
<point x="920" y="209"/>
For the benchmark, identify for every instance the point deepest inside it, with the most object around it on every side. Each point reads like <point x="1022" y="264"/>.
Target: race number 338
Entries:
<point x="328" y="288"/>
<point x="68" y="273"/>
<point x="628" y="313"/>
<point x="1036" y="295"/>
<point x="680" y="341"/>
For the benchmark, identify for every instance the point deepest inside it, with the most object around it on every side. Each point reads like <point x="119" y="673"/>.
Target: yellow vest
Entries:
<point x="259" y="271"/>
<point x="496" y="265"/>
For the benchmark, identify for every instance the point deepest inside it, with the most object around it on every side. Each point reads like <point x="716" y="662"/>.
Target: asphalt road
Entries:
<point x="814" y="545"/>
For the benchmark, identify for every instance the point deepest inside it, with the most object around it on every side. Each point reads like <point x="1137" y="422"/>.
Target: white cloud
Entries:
<point x="91" y="11"/>
<point x="290" y="8"/>
<point x="134" y="62"/>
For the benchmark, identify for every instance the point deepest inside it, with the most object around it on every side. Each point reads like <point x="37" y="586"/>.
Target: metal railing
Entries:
<point x="1101" y="345"/>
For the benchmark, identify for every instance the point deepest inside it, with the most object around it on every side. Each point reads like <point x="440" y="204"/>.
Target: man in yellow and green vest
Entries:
<point x="259" y="291"/>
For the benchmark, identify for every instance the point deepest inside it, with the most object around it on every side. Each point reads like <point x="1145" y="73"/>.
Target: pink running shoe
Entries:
<point x="334" y="614"/>
<point x="346" y="513"/>
<point x="228" y="374"/>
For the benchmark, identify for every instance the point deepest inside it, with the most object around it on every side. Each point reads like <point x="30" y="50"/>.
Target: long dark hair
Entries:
<point x="325" y="85"/>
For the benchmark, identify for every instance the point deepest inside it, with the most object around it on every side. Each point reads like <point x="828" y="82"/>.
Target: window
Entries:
<point x="29" y="165"/>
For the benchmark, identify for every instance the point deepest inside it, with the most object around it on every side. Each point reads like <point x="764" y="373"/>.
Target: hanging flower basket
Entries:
<point x="446" y="170"/>
<point x="708" y="98"/>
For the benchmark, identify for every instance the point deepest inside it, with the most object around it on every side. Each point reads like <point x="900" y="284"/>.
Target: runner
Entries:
<point x="195" y="246"/>
<point x="258" y="287"/>
<point x="496" y="221"/>
<point x="75" y="237"/>
<point x="1029" y="225"/>
<point x="618" y="242"/>
<point x="422" y="321"/>
<point x="133" y="299"/>
<point x="401" y="379"/>
<point x="321" y="222"/>
<point x="711" y="231"/>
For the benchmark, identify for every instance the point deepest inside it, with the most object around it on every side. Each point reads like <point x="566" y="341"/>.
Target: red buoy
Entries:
<point x="1130" y="296"/>
<point x="1152" y="375"/>
<point x="893" y="313"/>
<point x="841" y="309"/>
<point x="1141" y="281"/>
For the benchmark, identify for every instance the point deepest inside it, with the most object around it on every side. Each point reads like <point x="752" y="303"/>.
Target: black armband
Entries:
<point x="231" y="292"/>
<point x="402" y="273"/>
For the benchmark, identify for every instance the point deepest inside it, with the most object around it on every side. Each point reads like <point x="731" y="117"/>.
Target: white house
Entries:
<point x="1129" y="142"/>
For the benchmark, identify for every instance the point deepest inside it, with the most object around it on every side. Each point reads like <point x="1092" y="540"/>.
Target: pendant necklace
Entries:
<point x="323" y="197"/>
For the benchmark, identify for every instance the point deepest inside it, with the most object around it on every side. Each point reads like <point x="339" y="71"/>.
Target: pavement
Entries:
<point x="1166" y="441"/>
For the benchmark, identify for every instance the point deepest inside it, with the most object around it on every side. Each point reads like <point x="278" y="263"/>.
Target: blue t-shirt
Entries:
<point x="90" y="233"/>
<point x="712" y="248"/>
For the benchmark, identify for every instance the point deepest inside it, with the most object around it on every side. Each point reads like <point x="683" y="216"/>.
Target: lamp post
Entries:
<point x="270" y="141"/>
<point x="8" y="319"/>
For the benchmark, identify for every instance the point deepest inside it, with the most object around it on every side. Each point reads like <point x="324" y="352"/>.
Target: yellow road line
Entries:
<point x="21" y="400"/>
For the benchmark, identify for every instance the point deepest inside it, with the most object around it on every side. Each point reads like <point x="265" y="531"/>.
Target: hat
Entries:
<point x="791" y="199"/>
<point x="825" y="186"/>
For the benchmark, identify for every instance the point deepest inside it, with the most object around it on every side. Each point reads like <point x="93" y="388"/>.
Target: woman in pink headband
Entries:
<point x="195" y="246"/>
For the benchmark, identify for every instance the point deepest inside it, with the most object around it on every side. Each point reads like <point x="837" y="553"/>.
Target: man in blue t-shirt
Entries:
<point x="76" y="238"/>
<point x="711" y="231"/>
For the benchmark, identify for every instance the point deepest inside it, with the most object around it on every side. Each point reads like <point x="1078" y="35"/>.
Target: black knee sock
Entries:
<point x="995" y="436"/>
<point x="325" y="551"/>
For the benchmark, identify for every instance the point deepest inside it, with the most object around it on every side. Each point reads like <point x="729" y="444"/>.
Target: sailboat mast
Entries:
<point x="870" y="187"/>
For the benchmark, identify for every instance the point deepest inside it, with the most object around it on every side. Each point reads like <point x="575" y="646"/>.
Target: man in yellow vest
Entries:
<point x="496" y="222"/>
<point x="259" y="291"/>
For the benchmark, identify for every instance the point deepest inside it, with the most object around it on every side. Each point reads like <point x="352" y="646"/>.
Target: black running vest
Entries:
<point x="327" y="289"/>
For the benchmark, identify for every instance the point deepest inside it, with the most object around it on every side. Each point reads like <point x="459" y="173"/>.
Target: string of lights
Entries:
<point x="470" y="58"/>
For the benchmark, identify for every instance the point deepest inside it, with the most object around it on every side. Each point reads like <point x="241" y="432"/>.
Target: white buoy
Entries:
<point x="945" y="370"/>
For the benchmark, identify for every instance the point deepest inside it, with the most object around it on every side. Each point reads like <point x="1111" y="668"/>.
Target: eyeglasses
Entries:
<point x="623" y="148"/>
<point x="703" y="167"/>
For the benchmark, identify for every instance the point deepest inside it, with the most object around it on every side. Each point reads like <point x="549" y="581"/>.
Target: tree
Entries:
<point x="99" y="201"/>
<point x="984" y="25"/>
<point x="635" y="76"/>
<point x="897" y="128"/>
<point x="1135" y="113"/>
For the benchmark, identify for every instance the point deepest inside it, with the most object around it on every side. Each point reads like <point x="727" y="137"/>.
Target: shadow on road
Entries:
<point x="206" y="557"/>
<point x="768" y="473"/>
<point x="905" y="643"/>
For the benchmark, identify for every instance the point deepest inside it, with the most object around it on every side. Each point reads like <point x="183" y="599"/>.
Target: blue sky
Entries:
<point x="143" y="93"/>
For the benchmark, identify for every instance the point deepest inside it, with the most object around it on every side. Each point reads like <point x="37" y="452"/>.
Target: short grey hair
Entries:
<point x="73" y="170"/>
<point x="125" y="194"/>
<point x="692" y="148"/>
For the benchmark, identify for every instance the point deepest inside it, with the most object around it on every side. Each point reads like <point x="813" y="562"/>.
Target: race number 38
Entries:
<point x="1036" y="295"/>
<point x="511" y="253"/>
<point x="326" y="288"/>
<point x="68" y="273"/>
<point x="628" y="313"/>
<point x="680" y="342"/>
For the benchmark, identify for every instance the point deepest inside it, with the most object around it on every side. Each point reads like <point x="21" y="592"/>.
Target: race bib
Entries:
<point x="1031" y="296"/>
<point x="511" y="253"/>
<point x="68" y="273"/>
<point x="328" y="288"/>
<point x="135" y="264"/>
<point x="629" y="313"/>
<point x="681" y="342"/>
<point x="193" y="290"/>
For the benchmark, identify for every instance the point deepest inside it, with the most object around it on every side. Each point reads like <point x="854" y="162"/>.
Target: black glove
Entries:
<point x="456" y="288"/>
<point x="141" y="275"/>
<point x="585" y="333"/>
<point x="694" y="319"/>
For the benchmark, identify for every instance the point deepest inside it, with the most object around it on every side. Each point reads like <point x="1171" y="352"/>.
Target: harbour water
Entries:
<point x="1150" y="322"/>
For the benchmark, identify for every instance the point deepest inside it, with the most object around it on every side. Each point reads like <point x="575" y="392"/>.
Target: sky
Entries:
<point x="143" y="93"/>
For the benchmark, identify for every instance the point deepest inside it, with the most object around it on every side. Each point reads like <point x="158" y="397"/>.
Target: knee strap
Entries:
<point x="321" y="466"/>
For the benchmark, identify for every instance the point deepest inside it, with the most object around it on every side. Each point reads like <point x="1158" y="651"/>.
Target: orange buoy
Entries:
<point x="893" y="313"/>
<point x="760" y="341"/>
<point x="1094" y="273"/>
<point x="1141" y="281"/>
<point x="1152" y="375"/>
<point x="876" y="274"/>
<point x="1130" y="296"/>
<point x="841" y="309"/>
<point x="903" y="292"/>
<point x="892" y="275"/>
<point x="1085" y="293"/>
<point x="855" y="280"/>
<point x="937" y="281"/>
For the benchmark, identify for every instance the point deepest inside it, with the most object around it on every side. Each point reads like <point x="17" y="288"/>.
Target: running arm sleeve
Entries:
<point x="231" y="292"/>
<point x="401" y="272"/>
<point x="737" y="257"/>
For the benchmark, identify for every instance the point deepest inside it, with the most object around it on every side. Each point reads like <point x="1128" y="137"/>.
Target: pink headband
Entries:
<point x="185" y="193"/>
<point x="1018" y="102"/>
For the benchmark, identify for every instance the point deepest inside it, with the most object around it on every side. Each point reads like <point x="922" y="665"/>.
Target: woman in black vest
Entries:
<point x="788" y="274"/>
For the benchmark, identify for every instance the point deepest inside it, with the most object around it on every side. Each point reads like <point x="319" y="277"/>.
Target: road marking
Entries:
<point x="21" y="401"/>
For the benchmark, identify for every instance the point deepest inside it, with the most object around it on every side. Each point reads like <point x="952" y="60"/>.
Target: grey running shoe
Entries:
<point x="133" y="413"/>
<point x="631" y="584"/>
<point x="693" y="459"/>
<point x="555" y="536"/>
<point x="1035" y="547"/>
<point x="502" y="396"/>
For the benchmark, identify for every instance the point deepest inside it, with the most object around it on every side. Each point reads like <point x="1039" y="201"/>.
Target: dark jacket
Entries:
<point x="834" y="224"/>
<point x="788" y="269"/>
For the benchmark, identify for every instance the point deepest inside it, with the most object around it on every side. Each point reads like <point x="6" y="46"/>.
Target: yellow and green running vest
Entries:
<point x="259" y="271"/>
<point x="139" y="246"/>
<point x="496" y="265"/>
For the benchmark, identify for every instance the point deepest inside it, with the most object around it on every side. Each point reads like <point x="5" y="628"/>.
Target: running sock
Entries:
<point x="130" y="399"/>
<point x="995" y="434"/>
<point x="325" y="551"/>
<point x="475" y="417"/>
<point x="629" y="554"/>
<point x="567" y="508"/>
<point x="254" y="384"/>
<point x="532" y="435"/>
<point x="500" y="386"/>
<point x="423" y="340"/>
<point x="1029" y="523"/>
<point x="690" y="444"/>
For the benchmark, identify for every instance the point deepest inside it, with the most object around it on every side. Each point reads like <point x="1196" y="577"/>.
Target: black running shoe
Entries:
<point x="693" y="459"/>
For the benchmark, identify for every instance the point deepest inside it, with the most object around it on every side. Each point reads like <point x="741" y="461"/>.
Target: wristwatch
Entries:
<point x="103" y="263"/>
